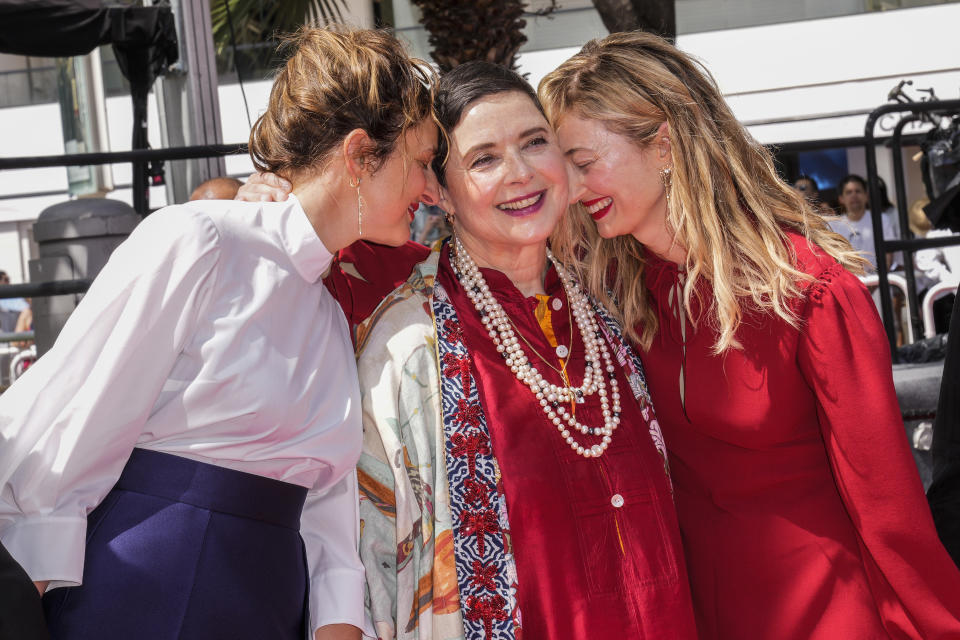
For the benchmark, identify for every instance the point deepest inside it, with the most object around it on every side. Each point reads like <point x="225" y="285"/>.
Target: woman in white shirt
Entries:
<point x="201" y="405"/>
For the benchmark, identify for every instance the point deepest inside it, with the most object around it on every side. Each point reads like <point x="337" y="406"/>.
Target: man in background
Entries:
<point x="216" y="189"/>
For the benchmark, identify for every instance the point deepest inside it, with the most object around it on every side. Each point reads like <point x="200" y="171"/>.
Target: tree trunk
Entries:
<point x="658" y="16"/>
<point x="490" y="30"/>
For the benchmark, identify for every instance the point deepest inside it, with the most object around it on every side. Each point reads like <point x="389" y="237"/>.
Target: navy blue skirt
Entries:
<point x="187" y="550"/>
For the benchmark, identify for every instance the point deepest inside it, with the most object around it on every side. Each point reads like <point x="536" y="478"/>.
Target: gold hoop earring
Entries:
<point x="359" y="205"/>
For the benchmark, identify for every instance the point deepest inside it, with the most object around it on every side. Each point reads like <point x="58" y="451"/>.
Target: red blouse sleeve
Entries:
<point x="844" y="356"/>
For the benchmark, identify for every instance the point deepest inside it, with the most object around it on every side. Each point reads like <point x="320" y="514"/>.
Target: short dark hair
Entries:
<point x="852" y="178"/>
<point x="462" y="86"/>
<point x="809" y="179"/>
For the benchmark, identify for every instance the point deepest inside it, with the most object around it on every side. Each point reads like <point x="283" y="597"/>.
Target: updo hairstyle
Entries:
<point x="336" y="80"/>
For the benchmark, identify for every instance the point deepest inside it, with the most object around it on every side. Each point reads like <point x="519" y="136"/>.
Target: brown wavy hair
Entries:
<point x="337" y="79"/>
<point x="728" y="208"/>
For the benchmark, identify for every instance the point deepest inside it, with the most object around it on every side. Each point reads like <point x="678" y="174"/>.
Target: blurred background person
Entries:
<point x="811" y="191"/>
<point x="856" y="223"/>
<point x="10" y="308"/>
<point x="429" y="225"/>
<point x="216" y="189"/>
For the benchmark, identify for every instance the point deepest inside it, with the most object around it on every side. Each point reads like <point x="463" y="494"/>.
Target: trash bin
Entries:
<point x="74" y="241"/>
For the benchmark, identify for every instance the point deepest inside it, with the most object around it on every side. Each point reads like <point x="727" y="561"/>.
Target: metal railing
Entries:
<point x="934" y="293"/>
<point x="140" y="159"/>
<point x="907" y="243"/>
<point x="41" y="289"/>
<point x="898" y="282"/>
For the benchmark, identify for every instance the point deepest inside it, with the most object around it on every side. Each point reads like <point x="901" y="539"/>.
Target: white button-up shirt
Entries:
<point x="208" y="335"/>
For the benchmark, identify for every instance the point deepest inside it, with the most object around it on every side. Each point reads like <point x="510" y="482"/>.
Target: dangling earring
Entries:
<point x="666" y="177"/>
<point x="359" y="205"/>
<point x="449" y="217"/>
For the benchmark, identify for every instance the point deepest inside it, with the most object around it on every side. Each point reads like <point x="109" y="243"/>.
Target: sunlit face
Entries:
<point x="617" y="181"/>
<point x="393" y="193"/>
<point x="507" y="182"/>
<point x="853" y="197"/>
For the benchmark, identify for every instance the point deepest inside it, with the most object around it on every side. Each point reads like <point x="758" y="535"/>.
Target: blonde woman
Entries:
<point x="802" y="513"/>
<point x="186" y="450"/>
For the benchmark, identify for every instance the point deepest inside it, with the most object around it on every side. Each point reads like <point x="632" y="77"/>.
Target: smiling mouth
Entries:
<point x="523" y="205"/>
<point x="598" y="208"/>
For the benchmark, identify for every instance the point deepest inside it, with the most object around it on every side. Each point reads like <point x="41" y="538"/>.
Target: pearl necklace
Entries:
<point x="550" y="396"/>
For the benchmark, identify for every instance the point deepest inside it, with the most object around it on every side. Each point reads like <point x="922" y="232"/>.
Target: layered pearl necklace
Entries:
<point x="550" y="396"/>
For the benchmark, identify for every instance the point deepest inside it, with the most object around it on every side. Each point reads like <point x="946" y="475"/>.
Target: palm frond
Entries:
<point x="257" y="20"/>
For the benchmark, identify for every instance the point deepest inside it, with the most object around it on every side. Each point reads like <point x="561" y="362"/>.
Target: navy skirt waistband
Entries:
<point x="211" y="487"/>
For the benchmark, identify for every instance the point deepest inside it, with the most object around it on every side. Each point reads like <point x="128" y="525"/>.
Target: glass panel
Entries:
<point x="114" y="83"/>
<point x="256" y="61"/>
<point x="694" y="16"/>
<point x="26" y="80"/>
<point x="14" y="88"/>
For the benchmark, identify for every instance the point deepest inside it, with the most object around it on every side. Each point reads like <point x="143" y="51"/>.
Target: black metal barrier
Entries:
<point x="137" y="157"/>
<point x="40" y="289"/>
<point x="910" y="245"/>
<point x="114" y="157"/>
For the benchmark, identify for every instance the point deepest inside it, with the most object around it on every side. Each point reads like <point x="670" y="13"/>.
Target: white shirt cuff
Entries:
<point x="336" y="597"/>
<point x="49" y="548"/>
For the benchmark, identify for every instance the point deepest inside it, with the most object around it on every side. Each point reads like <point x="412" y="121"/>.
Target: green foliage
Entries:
<point x="255" y="21"/>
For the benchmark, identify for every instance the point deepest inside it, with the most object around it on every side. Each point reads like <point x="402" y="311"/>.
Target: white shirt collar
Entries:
<point x="307" y="252"/>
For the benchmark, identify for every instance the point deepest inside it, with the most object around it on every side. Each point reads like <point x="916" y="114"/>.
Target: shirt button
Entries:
<point x="617" y="500"/>
<point x="562" y="351"/>
<point x="557" y="304"/>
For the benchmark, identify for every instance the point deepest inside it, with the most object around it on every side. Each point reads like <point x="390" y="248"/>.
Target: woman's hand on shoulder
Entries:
<point x="264" y="187"/>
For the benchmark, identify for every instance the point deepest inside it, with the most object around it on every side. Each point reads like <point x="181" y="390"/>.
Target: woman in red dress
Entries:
<point x="802" y="513"/>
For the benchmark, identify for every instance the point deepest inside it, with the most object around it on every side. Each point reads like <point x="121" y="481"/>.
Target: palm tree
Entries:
<point x="459" y="30"/>
<point x="658" y="16"/>
<point x="490" y="30"/>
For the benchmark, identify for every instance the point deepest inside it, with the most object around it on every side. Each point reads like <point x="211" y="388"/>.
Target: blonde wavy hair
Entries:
<point x="727" y="206"/>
